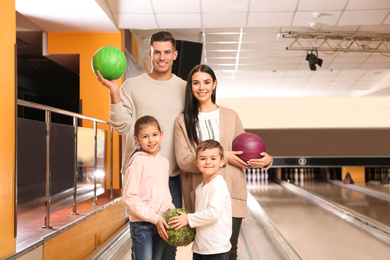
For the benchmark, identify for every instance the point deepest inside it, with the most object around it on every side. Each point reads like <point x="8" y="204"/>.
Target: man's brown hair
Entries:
<point x="162" y="36"/>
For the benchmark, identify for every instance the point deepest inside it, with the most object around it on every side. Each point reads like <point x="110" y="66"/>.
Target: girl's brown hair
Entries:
<point x="143" y="122"/>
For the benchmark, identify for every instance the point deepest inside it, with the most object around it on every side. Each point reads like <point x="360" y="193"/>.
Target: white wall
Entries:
<point x="327" y="112"/>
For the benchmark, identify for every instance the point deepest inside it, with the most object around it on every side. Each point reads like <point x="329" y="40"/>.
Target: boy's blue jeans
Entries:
<point x="146" y="242"/>
<point x="221" y="256"/>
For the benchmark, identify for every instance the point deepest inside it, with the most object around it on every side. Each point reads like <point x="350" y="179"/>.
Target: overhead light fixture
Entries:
<point x="317" y="15"/>
<point x="337" y="41"/>
<point x="313" y="60"/>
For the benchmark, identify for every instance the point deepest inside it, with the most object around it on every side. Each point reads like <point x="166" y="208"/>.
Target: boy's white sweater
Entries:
<point x="212" y="218"/>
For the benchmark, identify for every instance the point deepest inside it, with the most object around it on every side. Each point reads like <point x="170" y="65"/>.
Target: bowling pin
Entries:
<point x="262" y="175"/>
<point x="296" y="177"/>
<point x="256" y="174"/>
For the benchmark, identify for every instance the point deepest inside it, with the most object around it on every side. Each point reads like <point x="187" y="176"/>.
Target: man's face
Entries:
<point x="162" y="56"/>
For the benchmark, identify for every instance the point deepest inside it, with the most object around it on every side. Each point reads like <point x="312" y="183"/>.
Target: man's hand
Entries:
<point x="112" y="85"/>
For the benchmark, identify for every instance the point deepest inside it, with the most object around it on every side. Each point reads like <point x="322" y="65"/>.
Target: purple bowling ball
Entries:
<point x="250" y="144"/>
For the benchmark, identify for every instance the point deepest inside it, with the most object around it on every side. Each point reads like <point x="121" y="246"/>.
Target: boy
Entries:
<point x="213" y="212"/>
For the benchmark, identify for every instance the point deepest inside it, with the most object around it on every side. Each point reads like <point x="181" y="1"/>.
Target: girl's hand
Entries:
<point x="179" y="221"/>
<point x="232" y="157"/>
<point x="262" y="162"/>
<point x="161" y="226"/>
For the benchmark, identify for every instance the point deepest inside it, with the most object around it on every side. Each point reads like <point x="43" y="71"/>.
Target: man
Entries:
<point x="158" y="93"/>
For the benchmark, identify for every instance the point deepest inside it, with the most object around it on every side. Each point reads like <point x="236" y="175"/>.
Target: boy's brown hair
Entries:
<point x="209" y="144"/>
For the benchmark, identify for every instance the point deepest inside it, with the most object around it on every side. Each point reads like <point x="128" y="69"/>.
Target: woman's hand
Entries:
<point x="263" y="162"/>
<point x="233" y="159"/>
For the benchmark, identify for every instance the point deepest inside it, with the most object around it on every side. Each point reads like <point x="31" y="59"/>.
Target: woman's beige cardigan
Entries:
<point x="231" y="127"/>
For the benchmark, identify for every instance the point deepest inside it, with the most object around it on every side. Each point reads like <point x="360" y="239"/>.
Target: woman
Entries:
<point x="203" y="119"/>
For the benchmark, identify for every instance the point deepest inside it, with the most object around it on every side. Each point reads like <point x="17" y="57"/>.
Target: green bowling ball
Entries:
<point x="110" y="61"/>
<point x="180" y="237"/>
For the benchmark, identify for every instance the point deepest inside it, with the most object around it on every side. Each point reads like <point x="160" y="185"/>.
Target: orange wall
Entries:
<point x="7" y="131"/>
<point x="95" y="98"/>
<point x="357" y="174"/>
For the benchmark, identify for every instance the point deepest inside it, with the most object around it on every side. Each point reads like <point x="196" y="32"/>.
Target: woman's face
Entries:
<point x="202" y="86"/>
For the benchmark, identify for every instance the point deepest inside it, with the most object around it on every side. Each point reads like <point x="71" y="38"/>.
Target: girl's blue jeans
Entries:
<point x="146" y="242"/>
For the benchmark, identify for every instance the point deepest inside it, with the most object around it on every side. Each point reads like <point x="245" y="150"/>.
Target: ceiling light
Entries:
<point x="313" y="60"/>
<point x="316" y="15"/>
<point x="337" y="41"/>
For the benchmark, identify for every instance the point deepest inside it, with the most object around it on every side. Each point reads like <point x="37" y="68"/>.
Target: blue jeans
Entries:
<point x="175" y="189"/>
<point x="236" y="223"/>
<point x="177" y="200"/>
<point x="221" y="256"/>
<point x="146" y="242"/>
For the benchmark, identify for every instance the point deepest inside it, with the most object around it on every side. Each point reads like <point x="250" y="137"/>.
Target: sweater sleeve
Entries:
<point x="131" y="196"/>
<point x="213" y="211"/>
<point x="185" y="157"/>
<point x="239" y="126"/>
<point x="121" y="113"/>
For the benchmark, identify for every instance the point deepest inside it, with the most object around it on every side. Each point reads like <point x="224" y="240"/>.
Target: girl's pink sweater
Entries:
<point x="146" y="194"/>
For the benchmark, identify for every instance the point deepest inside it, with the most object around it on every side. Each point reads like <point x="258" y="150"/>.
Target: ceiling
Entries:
<point x="243" y="39"/>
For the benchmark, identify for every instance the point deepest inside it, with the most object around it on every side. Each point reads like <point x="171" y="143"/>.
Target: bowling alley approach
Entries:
<point x="104" y="104"/>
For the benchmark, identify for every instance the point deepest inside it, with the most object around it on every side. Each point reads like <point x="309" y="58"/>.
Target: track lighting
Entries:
<point x="313" y="60"/>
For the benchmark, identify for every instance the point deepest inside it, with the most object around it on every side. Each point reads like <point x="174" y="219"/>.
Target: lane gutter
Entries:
<point x="373" y="228"/>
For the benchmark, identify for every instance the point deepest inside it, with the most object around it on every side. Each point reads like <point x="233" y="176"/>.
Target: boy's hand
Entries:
<point x="179" y="221"/>
<point x="161" y="225"/>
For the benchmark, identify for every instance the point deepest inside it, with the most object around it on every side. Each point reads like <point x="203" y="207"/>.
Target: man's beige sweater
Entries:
<point x="142" y="96"/>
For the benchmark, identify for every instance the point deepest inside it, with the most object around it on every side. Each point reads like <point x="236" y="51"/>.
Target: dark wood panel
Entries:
<point x="326" y="142"/>
<point x="31" y="161"/>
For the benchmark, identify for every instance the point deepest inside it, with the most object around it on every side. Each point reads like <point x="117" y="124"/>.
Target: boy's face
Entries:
<point x="162" y="55"/>
<point x="209" y="161"/>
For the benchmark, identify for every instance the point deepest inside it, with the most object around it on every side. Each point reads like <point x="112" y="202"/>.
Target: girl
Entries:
<point x="146" y="193"/>
<point x="203" y="119"/>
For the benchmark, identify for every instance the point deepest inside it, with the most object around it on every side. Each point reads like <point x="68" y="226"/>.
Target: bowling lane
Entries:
<point x="313" y="232"/>
<point x="376" y="185"/>
<point x="374" y="208"/>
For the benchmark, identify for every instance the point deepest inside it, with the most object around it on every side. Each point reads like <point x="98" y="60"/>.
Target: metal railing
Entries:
<point x="48" y="111"/>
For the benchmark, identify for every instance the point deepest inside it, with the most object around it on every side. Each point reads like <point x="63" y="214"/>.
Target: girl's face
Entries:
<point x="202" y="86"/>
<point x="149" y="138"/>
